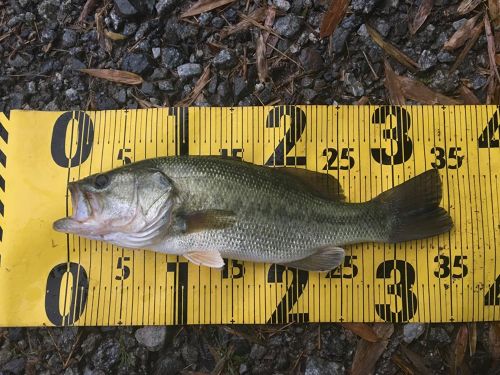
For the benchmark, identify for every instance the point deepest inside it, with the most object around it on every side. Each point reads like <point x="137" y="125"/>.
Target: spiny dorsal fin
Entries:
<point x="324" y="259"/>
<point x="320" y="184"/>
<point x="208" y="219"/>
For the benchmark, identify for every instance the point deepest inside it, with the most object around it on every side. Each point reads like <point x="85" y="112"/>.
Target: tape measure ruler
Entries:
<point x="49" y="278"/>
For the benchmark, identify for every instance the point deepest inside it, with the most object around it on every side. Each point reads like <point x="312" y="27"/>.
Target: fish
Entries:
<point x="207" y="208"/>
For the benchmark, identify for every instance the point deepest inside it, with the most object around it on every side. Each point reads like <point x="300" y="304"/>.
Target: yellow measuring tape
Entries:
<point x="49" y="278"/>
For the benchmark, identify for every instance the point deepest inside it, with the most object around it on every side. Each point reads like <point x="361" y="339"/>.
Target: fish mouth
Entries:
<point x="85" y="209"/>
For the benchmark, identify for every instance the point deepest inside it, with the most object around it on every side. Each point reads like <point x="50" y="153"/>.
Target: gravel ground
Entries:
<point x="43" y="44"/>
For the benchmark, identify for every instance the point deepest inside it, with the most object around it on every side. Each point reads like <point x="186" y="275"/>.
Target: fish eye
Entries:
<point x="101" y="181"/>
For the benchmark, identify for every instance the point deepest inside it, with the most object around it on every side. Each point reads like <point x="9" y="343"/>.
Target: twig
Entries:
<point x="370" y="66"/>
<point x="65" y="365"/>
<point x="55" y="345"/>
<point x="285" y="56"/>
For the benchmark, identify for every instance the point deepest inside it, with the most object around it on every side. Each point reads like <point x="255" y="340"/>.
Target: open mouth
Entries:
<point x="82" y="210"/>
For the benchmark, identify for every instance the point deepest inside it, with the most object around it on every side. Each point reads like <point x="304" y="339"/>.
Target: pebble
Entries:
<point x="188" y="70"/>
<point x="309" y="94"/>
<point x="439" y="335"/>
<point x="383" y="27"/>
<point x="282" y="5"/>
<point x="257" y="352"/>
<point x="48" y="9"/>
<point x="427" y="60"/>
<point x="225" y="59"/>
<point x="126" y="8"/>
<point x="171" y="57"/>
<point x="136" y="63"/>
<point x="445" y="57"/>
<point x="106" y="355"/>
<point x="240" y="87"/>
<point x="412" y="331"/>
<point x="478" y="81"/>
<point x="152" y="337"/>
<point x="163" y="6"/>
<point x="318" y="366"/>
<point x="130" y="28"/>
<point x="243" y="369"/>
<point x="363" y="6"/>
<point x="29" y="17"/>
<point x="189" y="354"/>
<point x="72" y="95"/>
<point x="459" y="23"/>
<point x="16" y="366"/>
<point x="156" y="51"/>
<point x="69" y="38"/>
<point x="311" y="59"/>
<point x="168" y="364"/>
<point x="19" y="61"/>
<point x="288" y="26"/>
<point x="218" y="22"/>
<point x="166" y="85"/>
<point x="148" y="89"/>
<point x="353" y="86"/>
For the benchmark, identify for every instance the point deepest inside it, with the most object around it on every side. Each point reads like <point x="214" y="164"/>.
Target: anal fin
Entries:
<point x="324" y="259"/>
<point x="211" y="258"/>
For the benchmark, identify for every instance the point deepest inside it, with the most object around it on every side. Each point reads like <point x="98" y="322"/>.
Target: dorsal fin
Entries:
<point x="320" y="184"/>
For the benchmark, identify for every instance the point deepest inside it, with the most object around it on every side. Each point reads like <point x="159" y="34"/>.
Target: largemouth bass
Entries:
<point x="207" y="208"/>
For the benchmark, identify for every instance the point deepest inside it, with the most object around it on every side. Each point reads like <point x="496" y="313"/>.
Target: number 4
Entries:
<point x="487" y="137"/>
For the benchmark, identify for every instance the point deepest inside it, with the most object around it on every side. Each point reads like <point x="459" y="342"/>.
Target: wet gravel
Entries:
<point x="42" y="46"/>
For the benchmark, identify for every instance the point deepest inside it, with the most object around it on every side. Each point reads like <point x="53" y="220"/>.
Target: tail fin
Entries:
<point x="413" y="208"/>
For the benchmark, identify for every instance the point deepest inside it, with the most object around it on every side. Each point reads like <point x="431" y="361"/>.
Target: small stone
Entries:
<point x="130" y="28"/>
<point x="224" y="90"/>
<point x="445" y="57"/>
<point x="188" y="70"/>
<point x="171" y="57"/>
<point x="69" y="38"/>
<point x="156" y="51"/>
<point x="126" y="8"/>
<point x="439" y="335"/>
<point x="309" y="94"/>
<point x="104" y="101"/>
<point x="29" y="17"/>
<point x="48" y="35"/>
<point x="148" y="89"/>
<point x="288" y="26"/>
<point x="116" y="21"/>
<point x="120" y="96"/>
<point x="166" y="86"/>
<point x="205" y="18"/>
<point x="106" y="355"/>
<point x="16" y="366"/>
<point x="243" y="369"/>
<point x="5" y="355"/>
<point x="72" y="95"/>
<point x="311" y="59"/>
<point x="189" y="354"/>
<point x="257" y="352"/>
<point x="31" y="87"/>
<point x="19" y="61"/>
<point x="318" y="366"/>
<point x="353" y="85"/>
<point x="23" y="3"/>
<point x="306" y="81"/>
<point x="240" y="87"/>
<point x="478" y="81"/>
<point x="136" y="63"/>
<point x="49" y="9"/>
<point x="14" y="21"/>
<point x="282" y="5"/>
<point x="218" y="22"/>
<point x="383" y="27"/>
<point x="412" y="331"/>
<point x="152" y="337"/>
<point x="427" y="60"/>
<point x="163" y="6"/>
<point x="225" y="59"/>
<point x="459" y="23"/>
<point x="363" y="6"/>
<point x="75" y="64"/>
<point x="169" y="365"/>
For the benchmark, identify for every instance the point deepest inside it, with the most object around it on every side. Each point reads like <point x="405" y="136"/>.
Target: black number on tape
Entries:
<point x="84" y="139"/>
<point x="293" y="293"/>
<point x="235" y="152"/>
<point x="398" y="133"/>
<point x="487" y="138"/>
<point x="444" y="266"/>
<point x="180" y="271"/>
<point x="124" y="270"/>
<point x="492" y="297"/>
<point x="297" y="125"/>
<point x="441" y="159"/>
<point x="348" y="263"/>
<point x="401" y="289"/>
<point x="234" y="271"/>
<point x="332" y="154"/>
<point x="181" y="129"/>
<point x="76" y="290"/>
<point x="122" y="155"/>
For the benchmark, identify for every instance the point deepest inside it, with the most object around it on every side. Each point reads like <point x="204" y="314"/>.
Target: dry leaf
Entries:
<point x="492" y="90"/>
<point x="416" y="90"/>
<point x="494" y="341"/>
<point x="422" y="13"/>
<point x="269" y="21"/>
<point x="204" y="6"/>
<point x="368" y="353"/>
<point x="89" y="5"/>
<point x="459" y="348"/>
<point x="468" y="97"/>
<point x="467" y="6"/>
<point x="461" y="35"/>
<point x="120" y="76"/>
<point x="403" y="364"/>
<point x="472" y="326"/>
<point x="393" y="85"/>
<point x="260" y="52"/>
<point x="198" y="88"/>
<point x="114" y="36"/>
<point x="419" y="363"/>
<point x="497" y="58"/>
<point x="476" y="31"/>
<point x="363" y="330"/>
<point x="362" y="101"/>
<point x="257" y="15"/>
<point x="391" y="50"/>
<point x="494" y="11"/>
<point x="332" y="17"/>
<point x="491" y="46"/>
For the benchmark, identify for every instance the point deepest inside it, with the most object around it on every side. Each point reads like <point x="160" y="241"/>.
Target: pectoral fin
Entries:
<point x="324" y="259"/>
<point x="211" y="259"/>
<point x="208" y="219"/>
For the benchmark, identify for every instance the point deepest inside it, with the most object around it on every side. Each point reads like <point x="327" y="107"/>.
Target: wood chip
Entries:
<point x="87" y="8"/>
<point x="497" y="58"/>
<point x="494" y="11"/>
<point x="494" y="342"/>
<point x="472" y="326"/>
<point x="362" y="330"/>
<point x="198" y="88"/>
<point x="332" y="17"/>
<point x="368" y="353"/>
<point x="418" y="362"/>
<point x="260" y="52"/>
<point x="416" y="90"/>
<point x="269" y="21"/>
<point x="391" y="50"/>
<point x="468" y="96"/>
<point x="460" y="36"/>
<point x="492" y="92"/>
<point x="476" y="31"/>
<point x="422" y="13"/>
<point x="258" y="15"/>
<point x="490" y="38"/>
<point x="393" y="85"/>
<point x="114" y="36"/>
<point x="204" y="6"/>
<point x="119" y="76"/>
<point x="458" y="349"/>
<point x="467" y="6"/>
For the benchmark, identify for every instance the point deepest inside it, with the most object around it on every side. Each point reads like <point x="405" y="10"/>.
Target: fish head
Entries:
<point x="126" y="202"/>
